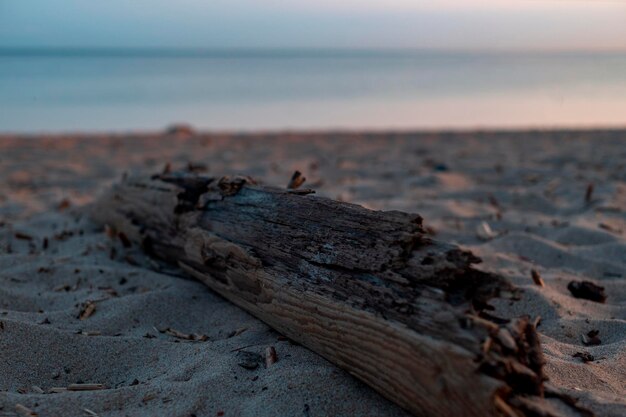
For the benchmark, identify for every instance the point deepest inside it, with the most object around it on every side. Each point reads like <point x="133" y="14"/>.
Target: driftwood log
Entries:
<point x="368" y="290"/>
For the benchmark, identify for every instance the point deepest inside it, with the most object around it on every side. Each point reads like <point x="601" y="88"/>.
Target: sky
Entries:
<point x="423" y="24"/>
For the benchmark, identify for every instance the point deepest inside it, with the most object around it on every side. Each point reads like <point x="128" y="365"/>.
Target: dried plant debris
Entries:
<point x="610" y="228"/>
<point x="89" y="333"/>
<point x="109" y="231"/>
<point x="484" y="232"/>
<point x="297" y="179"/>
<point x="584" y="356"/>
<point x="22" y="410"/>
<point x="537" y="278"/>
<point x="236" y="332"/>
<point x="194" y="337"/>
<point x="37" y="390"/>
<point x="64" y="204"/>
<point x="502" y="406"/>
<point x="249" y="360"/>
<point x="589" y="193"/>
<point x="270" y="356"/>
<point x="587" y="290"/>
<point x="124" y="239"/>
<point x="591" y="338"/>
<point x="148" y="397"/>
<point x="63" y="287"/>
<point x="87" y="310"/>
<point x="301" y="191"/>
<point x="23" y="236"/>
<point x="430" y="230"/>
<point x="229" y="186"/>
<point x="85" y="387"/>
<point x="517" y="338"/>
<point x="131" y="261"/>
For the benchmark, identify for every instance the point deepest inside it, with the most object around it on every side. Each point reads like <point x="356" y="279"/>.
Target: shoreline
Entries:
<point x="461" y="131"/>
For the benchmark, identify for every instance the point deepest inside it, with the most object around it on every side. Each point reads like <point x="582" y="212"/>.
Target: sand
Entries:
<point x="521" y="201"/>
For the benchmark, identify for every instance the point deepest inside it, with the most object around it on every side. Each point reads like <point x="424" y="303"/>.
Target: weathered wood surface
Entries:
<point x="368" y="290"/>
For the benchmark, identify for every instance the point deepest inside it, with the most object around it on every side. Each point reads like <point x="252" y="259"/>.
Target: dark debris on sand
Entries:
<point x="587" y="290"/>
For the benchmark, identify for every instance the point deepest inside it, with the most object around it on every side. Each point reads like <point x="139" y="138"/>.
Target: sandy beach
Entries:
<point x="77" y="307"/>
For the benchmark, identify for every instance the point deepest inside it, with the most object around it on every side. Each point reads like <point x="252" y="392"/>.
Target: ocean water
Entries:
<point x="119" y="90"/>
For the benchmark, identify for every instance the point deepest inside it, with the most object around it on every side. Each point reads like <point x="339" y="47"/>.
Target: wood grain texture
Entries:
<point x="368" y="290"/>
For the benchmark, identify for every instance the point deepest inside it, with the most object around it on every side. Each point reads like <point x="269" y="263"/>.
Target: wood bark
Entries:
<point x="368" y="290"/>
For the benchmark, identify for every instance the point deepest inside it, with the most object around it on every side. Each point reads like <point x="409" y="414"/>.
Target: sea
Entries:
<point x="119" y="90"/>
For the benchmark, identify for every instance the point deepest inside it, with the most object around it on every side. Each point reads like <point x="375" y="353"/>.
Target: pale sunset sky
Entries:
<point x="432" y="24"/>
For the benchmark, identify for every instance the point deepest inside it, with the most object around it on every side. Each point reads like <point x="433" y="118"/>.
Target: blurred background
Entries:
<point x="72" y="65"/>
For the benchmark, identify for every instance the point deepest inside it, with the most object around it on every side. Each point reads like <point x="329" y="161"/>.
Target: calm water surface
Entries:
<point x="245" y="90"/>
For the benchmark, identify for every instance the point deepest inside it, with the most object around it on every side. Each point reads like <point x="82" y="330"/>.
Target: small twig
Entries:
<point x="589" y="193"/>
<point x="302" y="191"/>
<point x="537" y="278"/>
<point x="130" y="260"/>
<point x="609" y="228"/>
<point x="124" y="239"/>
<point x="241" y="348"/>
<point x="503" y="407"/>
<point x="270" y="356"/>
<point x="88" y="309"/>
<point x="85" y="387"/>
<point x="484" y="231"/>
<point x="23" y="236"/>
<point x="237" y="332"/>
<point x="109" y="231"/>
<point x="185" y="336"/>
<point x="485" y="323"/>
<point x="25" y="411"/>
<point x="486" y="346"/>
<point x="506" y="339"/>
<point x="91" y="333"/>
<point x="297" y="179"/>
<point x="64" y="204"/>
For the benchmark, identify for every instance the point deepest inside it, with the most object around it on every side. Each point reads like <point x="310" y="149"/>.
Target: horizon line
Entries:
<point x="152" y="51"/>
